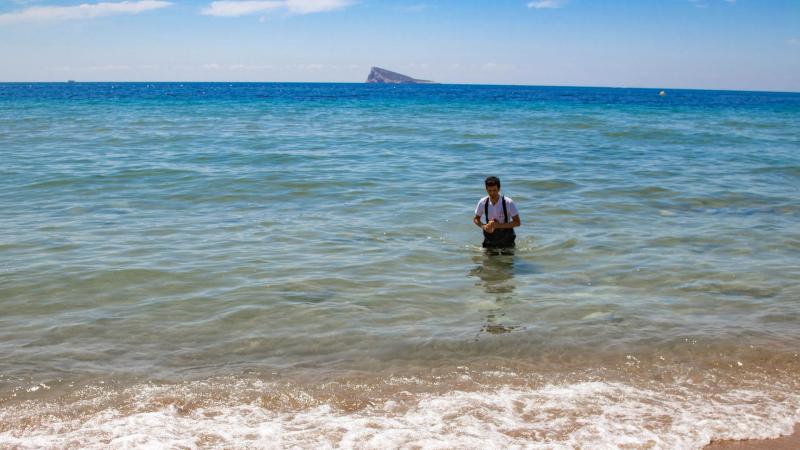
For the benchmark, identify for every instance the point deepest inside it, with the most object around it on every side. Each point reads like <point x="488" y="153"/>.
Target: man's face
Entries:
<point x="493" y="191"/>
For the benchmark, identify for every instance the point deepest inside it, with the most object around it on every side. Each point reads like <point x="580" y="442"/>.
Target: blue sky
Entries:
<point x="708" y="44"/>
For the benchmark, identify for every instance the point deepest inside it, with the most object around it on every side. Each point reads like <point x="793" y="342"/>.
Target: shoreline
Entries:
<point x="786" y="442"/>
<point x="461" y="405"/>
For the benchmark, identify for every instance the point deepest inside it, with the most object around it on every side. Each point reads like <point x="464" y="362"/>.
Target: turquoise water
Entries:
<point x="299" y="259"/>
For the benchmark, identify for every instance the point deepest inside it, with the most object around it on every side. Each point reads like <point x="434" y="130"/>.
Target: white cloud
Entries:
<point x="314" y="6"/>
<point x="238" y="8"/>
<point x="794" y="41"/>
<point x="82" y="11"/>
<point x="546" y="4"/>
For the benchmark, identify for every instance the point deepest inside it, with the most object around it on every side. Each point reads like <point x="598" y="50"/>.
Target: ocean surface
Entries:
<point x="294" y="265"/>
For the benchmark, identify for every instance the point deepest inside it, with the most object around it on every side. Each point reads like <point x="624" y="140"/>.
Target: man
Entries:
<point x="501" y="217"/>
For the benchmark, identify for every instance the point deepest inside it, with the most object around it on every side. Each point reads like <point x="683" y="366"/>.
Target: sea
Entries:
<point x="294" y="265"/>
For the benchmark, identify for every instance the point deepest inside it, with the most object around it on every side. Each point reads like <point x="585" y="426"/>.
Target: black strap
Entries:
<point x="486" y="209"/>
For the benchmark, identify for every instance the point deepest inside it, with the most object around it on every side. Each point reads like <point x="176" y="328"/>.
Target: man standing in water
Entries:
<point x="501" y="217"/>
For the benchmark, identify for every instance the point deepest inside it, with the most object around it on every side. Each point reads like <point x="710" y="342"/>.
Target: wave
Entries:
<point x="411" y="412"/>
<point x="550" y="185"/>
<point x="790" y="172"/>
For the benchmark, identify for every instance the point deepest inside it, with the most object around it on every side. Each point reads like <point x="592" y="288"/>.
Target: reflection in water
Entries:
<point x="496" y="272"/>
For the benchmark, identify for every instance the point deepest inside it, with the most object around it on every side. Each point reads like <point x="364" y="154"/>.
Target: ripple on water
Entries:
<point x="790" y="172"/>
<point x="736" y="289"/>
<point x="549" y="185"/>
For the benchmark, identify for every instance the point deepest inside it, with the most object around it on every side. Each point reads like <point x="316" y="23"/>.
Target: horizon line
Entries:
<point x="69" y="81"/>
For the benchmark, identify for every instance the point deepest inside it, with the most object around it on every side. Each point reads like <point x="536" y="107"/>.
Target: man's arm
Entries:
<point x="492" y="225"/>
<point x="487" y="227"/>
<point x="515" y="222"/>
<point x="477" y="221"/>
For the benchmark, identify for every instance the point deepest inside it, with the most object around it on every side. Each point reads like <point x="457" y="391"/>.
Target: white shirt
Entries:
<point x="496" y="211"/>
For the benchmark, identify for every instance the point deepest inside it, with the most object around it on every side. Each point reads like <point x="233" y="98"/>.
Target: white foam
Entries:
<point x="591" y="415"/>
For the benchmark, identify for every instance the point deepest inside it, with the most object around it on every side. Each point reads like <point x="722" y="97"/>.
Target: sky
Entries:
<point x="703" y="44"/>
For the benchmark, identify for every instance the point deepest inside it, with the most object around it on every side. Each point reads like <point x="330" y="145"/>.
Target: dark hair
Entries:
<point x="492" y="180"/>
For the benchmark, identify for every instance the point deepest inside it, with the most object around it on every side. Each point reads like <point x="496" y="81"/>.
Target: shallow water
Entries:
<point x="295" y="265"/>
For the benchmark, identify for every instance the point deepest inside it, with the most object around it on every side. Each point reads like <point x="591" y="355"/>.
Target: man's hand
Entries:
<point x="489" y="227"/>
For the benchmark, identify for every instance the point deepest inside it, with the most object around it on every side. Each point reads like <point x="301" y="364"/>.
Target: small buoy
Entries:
<point x="662" y="93"/>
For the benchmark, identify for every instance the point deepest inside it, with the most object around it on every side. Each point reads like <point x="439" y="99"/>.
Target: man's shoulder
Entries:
<point x="512" y="206"/>
<point x="481" y="205"/>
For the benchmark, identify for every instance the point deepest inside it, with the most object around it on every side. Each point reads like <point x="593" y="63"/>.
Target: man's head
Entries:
<point x="492" y="187"/>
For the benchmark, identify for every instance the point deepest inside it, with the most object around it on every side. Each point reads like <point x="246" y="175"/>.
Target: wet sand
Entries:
<point x="791" y="442"/>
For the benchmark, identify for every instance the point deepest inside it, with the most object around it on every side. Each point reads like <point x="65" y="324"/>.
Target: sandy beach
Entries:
<point x="791" y="442"/>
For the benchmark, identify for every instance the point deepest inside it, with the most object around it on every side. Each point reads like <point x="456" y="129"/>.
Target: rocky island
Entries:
<point x="378" y="75"/>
